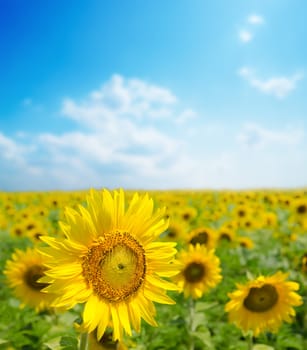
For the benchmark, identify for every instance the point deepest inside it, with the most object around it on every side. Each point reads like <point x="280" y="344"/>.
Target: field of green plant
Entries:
<point x="241" y="280"/>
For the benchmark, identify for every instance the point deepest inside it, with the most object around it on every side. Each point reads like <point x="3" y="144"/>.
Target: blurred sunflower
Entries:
<point x="109" y="261"/>
<point x="226" y="234"/>
<point x="203" y="235"/>
<point x="200" y="271"/>
<point x="187" y="213"/>
<point x="249" y="223"/>
<point x="33" y="228"/>
<point x="263" y="304"/>
<point x="304" y="263"/>
<point x="299" y="208"/>
<point x="3" y="222"/>
<point x="241" y="211"/>
<point x="245" y="242"/>
<point x="23" y="272"/>
<point x="175" y="232"/>
<point x="17" y="229"/>
<point x="269" y="219"/>
<point x="105" y="343"/>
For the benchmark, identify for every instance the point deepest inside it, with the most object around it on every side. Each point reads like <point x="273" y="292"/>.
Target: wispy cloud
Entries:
<point x="279" y="86"/>
<point x="255" y="19"/>
<point x="11" y="150"/>
<point x="185" y="116"/>
<point x="255" y="136"/>
<point x="245" y="36"/>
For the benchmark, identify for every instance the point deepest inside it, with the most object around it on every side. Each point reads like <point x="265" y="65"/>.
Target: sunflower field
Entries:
<point x="150" y="270"/>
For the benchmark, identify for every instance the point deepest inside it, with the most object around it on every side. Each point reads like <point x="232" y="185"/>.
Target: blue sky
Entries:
<point x="153" y="94"/>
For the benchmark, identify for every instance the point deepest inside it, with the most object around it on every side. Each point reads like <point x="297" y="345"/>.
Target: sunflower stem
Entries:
<point x="249" y="339"/>
<point x="83" y="341"/>
<point x="191" y="323"/>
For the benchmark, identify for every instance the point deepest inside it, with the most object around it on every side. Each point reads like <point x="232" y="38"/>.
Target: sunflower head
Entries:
<point x="204" y="236"/>
<point x="109" y="260"/>
<point x="245" y="242"/>
<point x="226" y="234"/>
<point x="200" y="271"/>
<point x="106" y="342"/>
<point x="175" y="232"/>
<point x="17" y="230"/>
<point x="299" y="210"/>
<point x="304" y="263"/>
<point x="188" y="213"/>
<point x="263" y="304"/>
<point x="23" y="273"/>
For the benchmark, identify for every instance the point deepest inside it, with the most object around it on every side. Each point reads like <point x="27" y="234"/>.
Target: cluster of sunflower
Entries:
<point x="118" y="254"/>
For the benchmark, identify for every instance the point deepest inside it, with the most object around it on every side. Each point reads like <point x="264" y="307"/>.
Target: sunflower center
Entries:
<point x="261" y="299"/>
<point x="115" y="266"/>
<point x="32" y="275"/>
<point x="241" y="213"/>
<point x="301" y="209"/>
<point x="186" y="216"/>
<point x="194" y="272"/>
<point x="172" y="234"/>
<point x="18" y="232"/>
<point x="201" y="238"/>
<point x="225" y="236"/>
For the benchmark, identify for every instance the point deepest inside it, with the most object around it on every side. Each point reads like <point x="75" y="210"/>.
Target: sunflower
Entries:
<point x="203" y="235"/>
<point x="200" y="271"/>
<point x="188" y="213"/>
<point x="269" y="219"/>
<point x="3" y="222"/>
<point x="304" y="263"/>
<point x="226" y="234"/>
<point x="23" y="272"/>
<point x="175" y="232"/>
<point x="263" y="304"/>
<point x="108" y="260"/>
<point x="299" y="207"/>
<point x="245" y="242"/>
<point x="17" y="230"/>
<point x="105" y="343"/>
<point x="241" y="211"/>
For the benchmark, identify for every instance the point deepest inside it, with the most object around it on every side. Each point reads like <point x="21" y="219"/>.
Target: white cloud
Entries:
<point x="125" y="137"/>
<point x="256" y="136"/>
<point x="118" y="137"/>
<point x="124" y="92"/>
<point x="14" y="164"/>
<point x="186" y="116"/>
<point x="11" y="150"/>
<point x="245" y="36"/>
<point x="122" y="99"/>
<point x="255" y="19"/>
<point x="279" y="86"/>
<point x="126" y="98"/>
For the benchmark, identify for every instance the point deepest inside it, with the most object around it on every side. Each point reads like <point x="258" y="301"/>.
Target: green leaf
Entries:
<point x="203" y="306"/>
<point x="262" y="347"/>
<point x="53" y="344"/>
<point x="69" y="343"/>
<point x="199" y="319"/>
<point x="3" y="341"/>
<point x="205" y="337"/>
